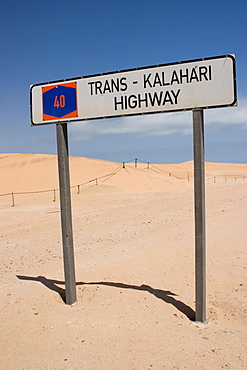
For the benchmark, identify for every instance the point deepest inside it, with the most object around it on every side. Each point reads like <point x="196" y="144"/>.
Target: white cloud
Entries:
<point x="160" y="124"/>
<point x="236" y="115"/>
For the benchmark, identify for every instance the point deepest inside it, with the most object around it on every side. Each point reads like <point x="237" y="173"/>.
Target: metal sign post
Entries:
<point x="199" y="199"/>
<point x="66" y="218"/>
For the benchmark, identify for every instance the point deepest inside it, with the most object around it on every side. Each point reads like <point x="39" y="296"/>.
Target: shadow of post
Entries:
<point x="50" y="284"/>
<point x="165" y="295"/>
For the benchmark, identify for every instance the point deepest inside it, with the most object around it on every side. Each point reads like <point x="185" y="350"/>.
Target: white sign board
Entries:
<point x="203" y="83"/>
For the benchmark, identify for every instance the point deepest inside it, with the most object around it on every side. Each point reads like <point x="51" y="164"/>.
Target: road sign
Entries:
<point x="196" y="84"/>
<point x="59" y="101"/>
<point x="191" y="85"/>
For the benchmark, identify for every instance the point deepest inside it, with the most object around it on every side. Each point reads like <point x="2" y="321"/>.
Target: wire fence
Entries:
<point x="101" y="179"/>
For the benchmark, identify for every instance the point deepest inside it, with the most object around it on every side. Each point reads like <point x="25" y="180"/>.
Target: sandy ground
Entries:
<point x="134" y="254"/>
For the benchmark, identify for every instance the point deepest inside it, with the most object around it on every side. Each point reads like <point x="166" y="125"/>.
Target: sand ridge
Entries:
<point x="38" y="172"/>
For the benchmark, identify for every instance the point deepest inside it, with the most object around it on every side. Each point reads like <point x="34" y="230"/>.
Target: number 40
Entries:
<point x="59" y="101"/>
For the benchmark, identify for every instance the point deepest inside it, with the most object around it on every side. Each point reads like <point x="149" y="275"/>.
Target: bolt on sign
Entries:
<point x="201" y="83"/>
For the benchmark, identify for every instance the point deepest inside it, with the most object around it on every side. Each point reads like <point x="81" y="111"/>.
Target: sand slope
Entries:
<point x="134" y="253"/>
<point x="29" y="172"/>
<point x="37" y="172"/>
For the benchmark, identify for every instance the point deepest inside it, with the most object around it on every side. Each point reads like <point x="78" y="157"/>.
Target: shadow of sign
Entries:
<point x="165" y="295"/>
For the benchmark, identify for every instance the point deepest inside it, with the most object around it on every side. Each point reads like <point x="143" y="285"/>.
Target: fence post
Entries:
<point x="78" y="189"/>
<point x="123" y="164"/>
<point x="54" y="195"/>
<point x="135" y="162"/>
<point x="13" y="200"/>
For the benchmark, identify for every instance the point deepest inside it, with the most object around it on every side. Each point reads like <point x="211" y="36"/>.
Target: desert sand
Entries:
<point x="133" y="233"/>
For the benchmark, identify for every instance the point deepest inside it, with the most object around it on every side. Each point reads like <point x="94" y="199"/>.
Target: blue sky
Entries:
<point x="44" y="41"/>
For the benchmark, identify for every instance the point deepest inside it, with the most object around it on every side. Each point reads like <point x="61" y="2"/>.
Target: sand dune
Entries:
<point x="134" y="254"/>
<point x="37" y="172"/>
